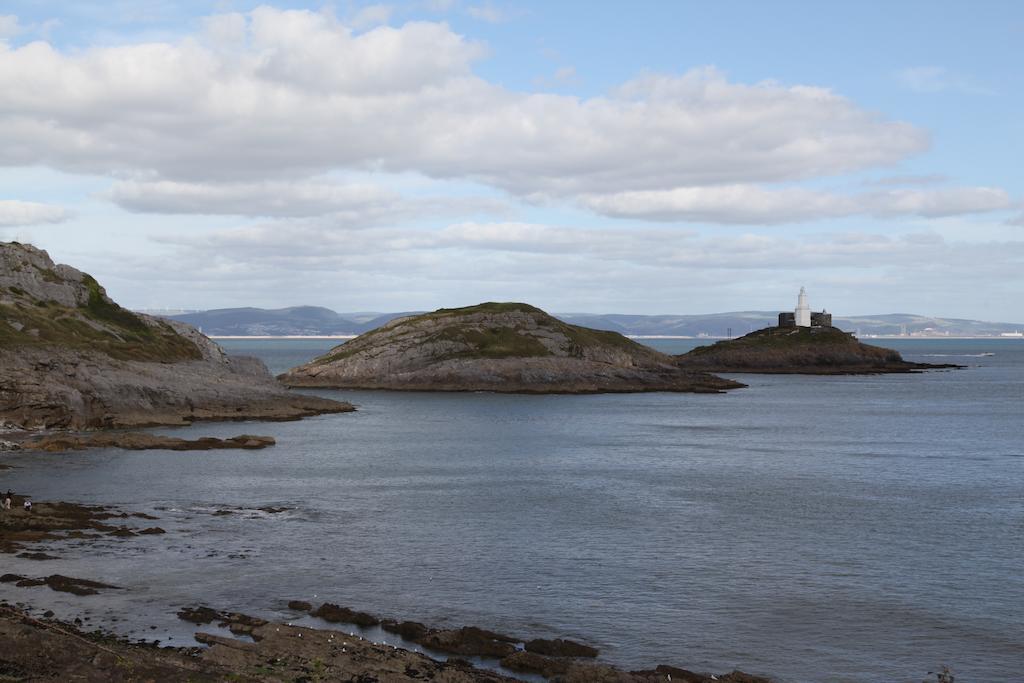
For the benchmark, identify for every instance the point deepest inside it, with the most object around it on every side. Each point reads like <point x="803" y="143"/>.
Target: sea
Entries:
<point x="819" y="529"/>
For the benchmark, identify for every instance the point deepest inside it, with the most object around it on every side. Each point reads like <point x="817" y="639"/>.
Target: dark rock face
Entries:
<point x="138" y="441"/>
<point x="71" y="358"/>
<point x="37" y="556"/>
<point x="799" y="350"/>
<point x="334" y="613"/>
<point x="503" y="347"/>
<point x="410" y="630"/>
<point x="299" y="605"/>
<point x="58" y="582"/>
<point x="560" y="648"/>
<point x="531" y="662"/>
<point x="52" y="521"/>
<point x="470" y="641"/>
<point x="199" y="615"/>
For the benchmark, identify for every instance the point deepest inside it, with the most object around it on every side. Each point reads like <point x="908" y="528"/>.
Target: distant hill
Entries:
<point x="319" y="321"/>
<point x="283" y="322"/>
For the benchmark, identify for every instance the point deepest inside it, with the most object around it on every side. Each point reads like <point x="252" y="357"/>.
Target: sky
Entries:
<point x="644" y="157"/>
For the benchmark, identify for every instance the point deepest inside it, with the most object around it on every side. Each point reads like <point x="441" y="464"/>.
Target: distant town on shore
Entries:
<point x="316" y="321"/>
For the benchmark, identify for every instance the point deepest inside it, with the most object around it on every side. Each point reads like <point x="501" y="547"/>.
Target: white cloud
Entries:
<point x="627" y="268"/>
<point x="565" y="73"/>
<point x="298" y="93"/>
<point x="9" y="26"/>
<point x="751" y="204"/>
<point x="438" y="5"/>
<point x="15" y="213"/>
<point x="562" y="77"/>
<point x="355" y="204"/>
<point x="903" y="180"/>
<point x="521" y="260"/>
<point x="937" y="203"/>
<point x="933" y="79"/>
<point x="372" y="15"/>
<point x="245" y="116"/>
<point x="268" y="198"/>
<point x="487" y="12"/>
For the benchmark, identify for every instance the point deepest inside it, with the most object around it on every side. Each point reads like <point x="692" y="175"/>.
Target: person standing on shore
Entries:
<point x="7" y="500"/>
<point x="28" y="505"/>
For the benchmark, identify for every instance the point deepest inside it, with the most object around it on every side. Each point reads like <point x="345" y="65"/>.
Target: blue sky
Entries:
<point x="644" y="157"/>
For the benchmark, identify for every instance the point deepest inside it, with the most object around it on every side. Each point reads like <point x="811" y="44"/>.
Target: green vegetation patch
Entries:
<point x="497" y="341"/>
<point x="782" y="338"/>
<point x="492" y="342"/>
<point x="339" y="352"/>
<point x="124" y="336"/>
<point x="487" y="307"/>
<point x="101" y="309"/>
<point x="587" y="337"/>
<point x="49" y="275"/>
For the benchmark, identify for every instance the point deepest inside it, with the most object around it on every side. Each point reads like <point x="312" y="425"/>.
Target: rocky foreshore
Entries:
<point x="38" y="647"/>
<point x="49" y="521"/>
<point x="137" y="441"/>
<point x="45" y="649"/>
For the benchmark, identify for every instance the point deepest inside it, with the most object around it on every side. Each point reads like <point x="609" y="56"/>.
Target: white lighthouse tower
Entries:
<point x="803" y="311"/>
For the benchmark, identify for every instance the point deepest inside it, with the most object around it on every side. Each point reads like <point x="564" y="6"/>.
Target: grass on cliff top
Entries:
<point x="46" y="323"/>
<point x="497" y="341"/>
<point x="778" y="338"/>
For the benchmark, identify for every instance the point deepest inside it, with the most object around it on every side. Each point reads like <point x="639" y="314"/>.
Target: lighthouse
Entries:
<point x="803" y="311"/>
<point x="803" y="316"/>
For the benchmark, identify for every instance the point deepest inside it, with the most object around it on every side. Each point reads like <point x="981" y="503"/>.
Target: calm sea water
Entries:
<point x="807" y="528"/>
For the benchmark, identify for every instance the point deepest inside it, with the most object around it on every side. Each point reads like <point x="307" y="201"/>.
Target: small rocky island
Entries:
<point x="817" y="350"/>
<point x="500" y="347"/>
<point x="803" y="343"/>
<point x="71" y="358"/>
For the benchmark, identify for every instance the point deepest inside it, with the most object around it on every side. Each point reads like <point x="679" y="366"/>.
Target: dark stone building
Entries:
<point x="823" y="319"/>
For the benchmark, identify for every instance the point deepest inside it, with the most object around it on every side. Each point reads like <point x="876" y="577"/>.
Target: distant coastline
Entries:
<point x="284" y="336"/>
<point x="630" y="336"/>
<point x="312" y="321"/>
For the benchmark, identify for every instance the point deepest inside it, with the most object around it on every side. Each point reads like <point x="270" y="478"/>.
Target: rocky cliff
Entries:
<point x="72" y="358"/>
<point x="504" y="347"/>
<point x="799" y="350"/>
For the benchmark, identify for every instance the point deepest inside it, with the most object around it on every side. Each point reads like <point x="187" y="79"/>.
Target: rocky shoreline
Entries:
<point x="132" y="441"/>
<point x="47" y="649"/>
<point x="39" y="647"/>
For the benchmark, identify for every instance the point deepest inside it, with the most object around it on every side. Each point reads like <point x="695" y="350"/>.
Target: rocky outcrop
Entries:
<point x="71" y="358"/>
<point x="138" y="441"/>
<point x="799" y="350"/>
<point x="52" y="651"/>
<point x="58" y="582"/>
<point x="503" y="347"/>
<point x="559" y="660"/>
<point x="560" y="648"/>
<point x="335" y="614"/>
<point x="55" y="521"/>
